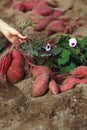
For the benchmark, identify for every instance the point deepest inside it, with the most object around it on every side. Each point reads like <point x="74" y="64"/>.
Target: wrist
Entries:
<point x="3" y="26"/>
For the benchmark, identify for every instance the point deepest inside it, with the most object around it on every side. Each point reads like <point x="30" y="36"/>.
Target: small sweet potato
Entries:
<point x="16" y="71"/>
<point x="44" y="22"/>
<point x="29" y="5"/>
<point x="71" y="80"/>
<point x="80" y="72"/>
<point x="52" y="3"/>
<point x="57" y="26"/>
<point x="38" y="70"/>
<point x="57" y="13"/>
<point x="40" y="85"/>
<point x="83" y="81"/>
<point x="19" y="6"/>
<point x="42" y="10"/>
<point x="66" y="87"/>
<point x="53" y="87"/>
<point x="5" y="64"/>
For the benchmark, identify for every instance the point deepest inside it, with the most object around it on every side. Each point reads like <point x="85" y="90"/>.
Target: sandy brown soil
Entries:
<point x="18" y="110"/>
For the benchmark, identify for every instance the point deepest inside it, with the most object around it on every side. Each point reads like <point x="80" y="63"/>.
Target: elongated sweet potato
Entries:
<point x="42" y="10"/>
<point x="40" y="85"/>
<point x="38" y="70"/>
<point x="57" y="26"/>
<point x="71" y="80"/>
<point x="83" y="81"/>
<point x="66" y="87"/>
<point x="57" y="13"/>
<point x="5" y="64"/>
<point x="19" y="6"/>
<point x="53" y="87"/>
<point x="16" y="71"/>
<point x="44" y="22"/>
<point x="29" y="5"/>
<point x="80" y="72"/>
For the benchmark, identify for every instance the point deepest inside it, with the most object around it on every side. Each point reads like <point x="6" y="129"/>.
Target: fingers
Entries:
<point x="21" y="36"/>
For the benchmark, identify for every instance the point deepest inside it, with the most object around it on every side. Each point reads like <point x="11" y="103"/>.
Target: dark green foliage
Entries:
<point x="61" y="56"/>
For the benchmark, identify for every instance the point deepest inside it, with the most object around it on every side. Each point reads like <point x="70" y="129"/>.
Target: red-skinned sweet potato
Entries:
<point x="40" y="85"/>
<point x="5" y="64"/>
<point x="38" y="70"/>
<point x="29" y="5"/>
<point x="16" y="71"/>
<point x="42" y="10"/>
<point x="57" y="26"/>
<point x="44" y="22"/>
<point x="53" y="87"/>
<point x="80" y="72"/>
<point x="71" y="80"/>
<point x="57" y="13"/>
<point x="83" y="81"/>
<point x="19" y="6"/>
<point x="66" y="87"/>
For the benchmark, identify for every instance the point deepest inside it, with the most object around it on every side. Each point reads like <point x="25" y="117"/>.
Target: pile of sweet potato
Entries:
<point x="48" y="16"/>
<point x="47" y="81"/>
<point x="13" y="67"/>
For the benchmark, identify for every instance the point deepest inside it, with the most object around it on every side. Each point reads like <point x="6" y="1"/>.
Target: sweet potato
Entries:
<point x="66" y="87"/>
<point x="57" y="13"/>
<point x="38" y="70"/>
<point x="5" y="64"/>
<point x="53" y="87"/>
<point x="51" y="3"/>
<point x="16" y="72"/>
<point x="19" y="6"/>
<point x="80" y="72"/>
<point x="83" y="81"/>
<point x="44" y="22"/>
<point x="29" y="5"/>
<point x="57" y="26"/>
<point x="71" y="80"/>
<point x="42" y="10"/>
<point x="40" y="85"/>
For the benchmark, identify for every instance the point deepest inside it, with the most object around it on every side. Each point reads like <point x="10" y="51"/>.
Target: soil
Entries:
<point x="18" y="109"/>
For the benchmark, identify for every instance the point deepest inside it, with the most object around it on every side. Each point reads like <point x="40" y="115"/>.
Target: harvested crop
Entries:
<point x="38" y="70"/>
<point x="29" y="5"/>
<point x="57" y="13"/>
<point x="19" y="6"/>
<point x="16" y="72"/>
<point x="5" y="64"/>
<point x="66" y="87"/>
<point x="57" y="26"/>
<point x="53" y="87"/>
<point x="80" y="72"/>
<point x="40" y="85"/>
<point x="42" y="10"/>
<point x="71" y="80"/>
<point x="44" y="22"/>
<point x="83" y="81"/>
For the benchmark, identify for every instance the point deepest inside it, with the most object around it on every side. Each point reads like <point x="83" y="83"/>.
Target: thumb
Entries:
<point x="21" y="36"/>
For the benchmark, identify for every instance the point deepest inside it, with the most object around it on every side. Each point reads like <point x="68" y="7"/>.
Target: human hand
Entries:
<point x="11" y="33"/>
<point x="14" y="36"/>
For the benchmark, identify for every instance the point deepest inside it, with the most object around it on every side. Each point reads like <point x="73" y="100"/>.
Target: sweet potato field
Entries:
<point x="43" y="81"/>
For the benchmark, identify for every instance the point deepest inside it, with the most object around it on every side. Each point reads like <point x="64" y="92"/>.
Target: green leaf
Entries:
<point x="82" y="43"/>
<point x="63" y="61"/>
<point x="56" y="51"/>
<point x="68" y="68"/>
<point x="35" y="53"/>
<point x="65" y="53"/>
<point x="45" y="55"/>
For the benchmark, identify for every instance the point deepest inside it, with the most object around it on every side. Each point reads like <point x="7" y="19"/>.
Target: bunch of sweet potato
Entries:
<point x="12" y="65"/>
<point x="48" y="16"/>
<point x="46" y="81"/>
